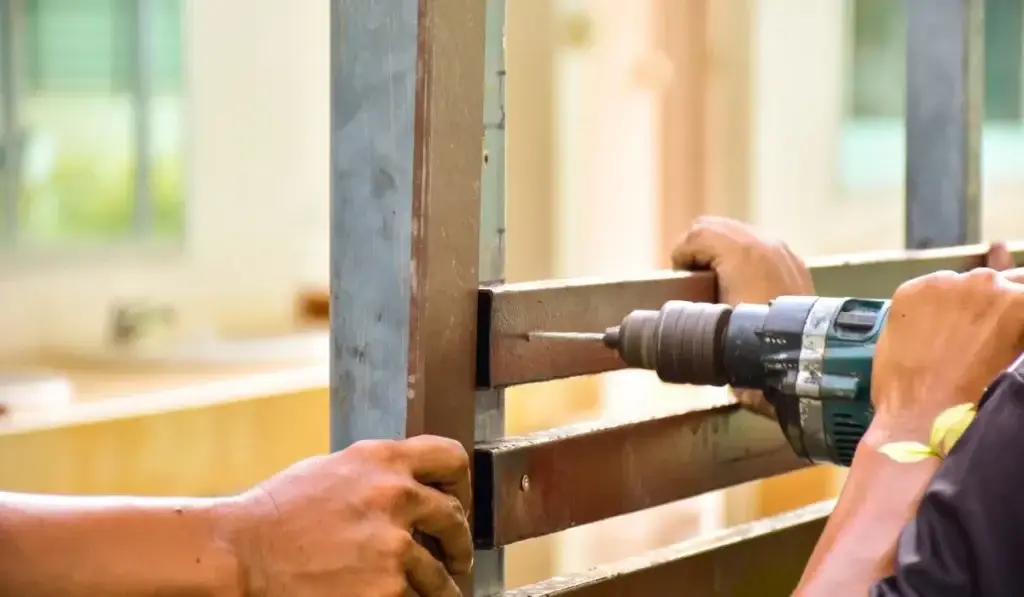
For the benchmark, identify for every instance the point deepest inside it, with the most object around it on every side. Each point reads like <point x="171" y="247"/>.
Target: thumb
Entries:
<point x="1015" y="275"/>
<point x="999" y="257"/>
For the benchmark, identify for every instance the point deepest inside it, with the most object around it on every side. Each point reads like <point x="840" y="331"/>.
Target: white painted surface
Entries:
<point x="22" y="392"/>
<point x="800" y="54"/>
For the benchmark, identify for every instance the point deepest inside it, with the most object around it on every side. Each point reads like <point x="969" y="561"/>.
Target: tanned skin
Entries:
<point x="342" y="522"/>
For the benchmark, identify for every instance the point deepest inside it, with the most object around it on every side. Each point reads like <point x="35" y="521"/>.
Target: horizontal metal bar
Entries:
<point x="762" y="558"/>
<point x="508" y="312"/>
<point x="544" y="482"/>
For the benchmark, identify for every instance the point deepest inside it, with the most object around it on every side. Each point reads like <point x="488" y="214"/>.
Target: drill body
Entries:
<point x="811" y="356"/>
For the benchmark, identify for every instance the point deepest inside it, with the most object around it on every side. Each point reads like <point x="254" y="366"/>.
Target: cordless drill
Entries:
<point x="811" y="356"/>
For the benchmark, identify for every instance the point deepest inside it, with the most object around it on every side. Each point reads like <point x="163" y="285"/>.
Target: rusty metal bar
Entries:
<point x="507" y="358"/>
<point x="757" y="559"/>
<point x="544" y="482"/>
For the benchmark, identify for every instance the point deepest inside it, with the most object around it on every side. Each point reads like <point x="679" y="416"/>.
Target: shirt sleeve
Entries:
<point x="968" y="535"/>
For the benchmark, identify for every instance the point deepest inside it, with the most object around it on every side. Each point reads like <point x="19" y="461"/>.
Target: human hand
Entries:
<point x="751" y="268"/>
<point x="999" y="257"/>
<point x="947" y="336"/>
<point x="344" y="523"/>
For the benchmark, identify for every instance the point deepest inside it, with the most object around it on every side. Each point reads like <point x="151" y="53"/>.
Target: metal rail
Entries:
<point x="424" y="336"/>
<point x="511" y="311"/>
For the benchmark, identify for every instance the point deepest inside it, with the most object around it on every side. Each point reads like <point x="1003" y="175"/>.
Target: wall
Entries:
<point x="799" y="54"/>
<point x="257" y="143"/>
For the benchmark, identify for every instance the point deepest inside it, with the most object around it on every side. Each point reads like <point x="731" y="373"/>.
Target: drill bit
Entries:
<point x="570" y="336"/>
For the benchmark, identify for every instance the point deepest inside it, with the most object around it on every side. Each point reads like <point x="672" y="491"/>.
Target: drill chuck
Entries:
<point x="682" y="342"/>
<point x="685" y="343"/>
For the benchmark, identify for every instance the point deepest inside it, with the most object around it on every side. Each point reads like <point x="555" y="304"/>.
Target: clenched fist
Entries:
<point x="946" y="338"/>
<point x="343" y="524"/>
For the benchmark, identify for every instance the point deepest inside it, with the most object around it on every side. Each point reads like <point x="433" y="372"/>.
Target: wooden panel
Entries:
<point x="214" y="450"/>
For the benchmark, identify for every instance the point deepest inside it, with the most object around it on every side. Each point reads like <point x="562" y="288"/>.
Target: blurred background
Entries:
<point x="164" y="202"/>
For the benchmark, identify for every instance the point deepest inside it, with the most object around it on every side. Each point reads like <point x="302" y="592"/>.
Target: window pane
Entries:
<point x="168" y="56"/>
<point x="78" y="106"/>
<point x="873" y="148"/>
<point x="879" y="65"/>
<point x="77" y="176"/>
<point x="77" y="45"/>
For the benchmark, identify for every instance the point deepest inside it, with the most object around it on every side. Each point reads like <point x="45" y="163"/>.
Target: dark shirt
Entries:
<point x="967" y="539"/>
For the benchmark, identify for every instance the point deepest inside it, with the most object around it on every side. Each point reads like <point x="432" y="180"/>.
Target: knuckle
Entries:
<point x="368" y="447"/>
<point x="705" y="222"/>
<point x="925" y="283"/>
<point x="395" y="495"/>
<point x="983" y="276"/>
<point x="456" y="508"/>
<point x="453" y="449"/>
<point x="691" y="237"/>
<point x="398" y="544"/>
<point x="377" y="450"/>
<point x="460" y="456"/>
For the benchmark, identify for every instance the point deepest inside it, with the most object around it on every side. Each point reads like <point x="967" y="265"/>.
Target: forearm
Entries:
<point x="858" y="545"/>
<point x="68" y="546"/>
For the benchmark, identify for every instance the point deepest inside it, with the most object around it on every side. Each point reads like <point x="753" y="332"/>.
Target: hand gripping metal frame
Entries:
<point x="425" y="336"/>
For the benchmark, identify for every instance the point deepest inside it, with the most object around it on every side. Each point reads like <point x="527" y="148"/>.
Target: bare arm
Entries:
<point x="858" y="545"/>
<point x="70" y="546"/>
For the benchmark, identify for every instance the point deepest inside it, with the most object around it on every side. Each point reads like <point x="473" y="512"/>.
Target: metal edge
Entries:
<point x="489" y="565"/>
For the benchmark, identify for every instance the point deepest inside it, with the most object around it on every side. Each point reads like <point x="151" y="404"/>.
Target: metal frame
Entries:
<point x="424" y="336"/>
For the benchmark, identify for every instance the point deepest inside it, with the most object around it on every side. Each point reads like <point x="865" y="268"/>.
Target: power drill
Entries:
<point x="811" y="356"/>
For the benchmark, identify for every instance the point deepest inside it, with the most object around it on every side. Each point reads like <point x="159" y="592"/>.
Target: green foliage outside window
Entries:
<point x="76" y="178"/>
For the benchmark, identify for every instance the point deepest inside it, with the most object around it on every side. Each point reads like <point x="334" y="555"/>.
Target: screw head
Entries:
<point x="524" y="483"/>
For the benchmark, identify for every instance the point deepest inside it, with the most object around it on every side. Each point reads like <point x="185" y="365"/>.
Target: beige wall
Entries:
<point x="257" y="144"/>
<point x="798" y="53"/>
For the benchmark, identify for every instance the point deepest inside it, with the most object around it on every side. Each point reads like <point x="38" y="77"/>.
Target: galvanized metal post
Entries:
<point x="489" y="572"/>
<point x="944" y="113"/>
<point x="407" y="94"/>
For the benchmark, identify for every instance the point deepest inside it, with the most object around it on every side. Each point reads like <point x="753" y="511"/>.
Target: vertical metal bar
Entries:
<point x="489" y="571"/>
<point x="10" y="142"/>
<point x="944" y="112"/>
<point x="141" y="83"/>
<point x="407" y="81"/>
